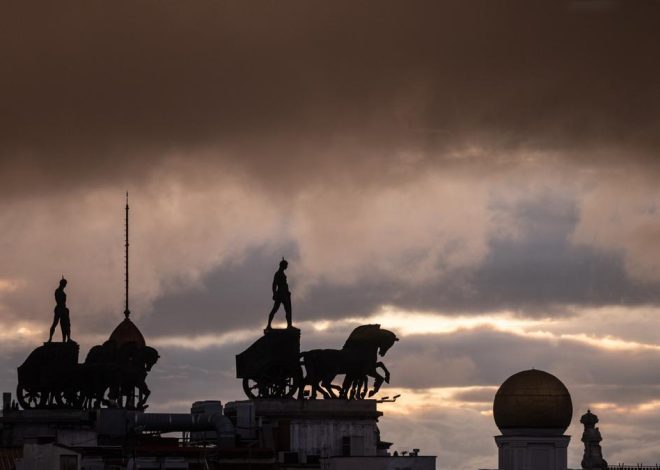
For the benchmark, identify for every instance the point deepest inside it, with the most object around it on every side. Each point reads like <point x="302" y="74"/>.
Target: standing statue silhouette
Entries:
<point x="61" y="313"/>
<point x="281" y="295"/>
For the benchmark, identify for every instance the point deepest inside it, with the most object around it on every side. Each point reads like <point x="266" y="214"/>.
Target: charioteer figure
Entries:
<point x="281" y="295"/>
<point x="61" y="314"/>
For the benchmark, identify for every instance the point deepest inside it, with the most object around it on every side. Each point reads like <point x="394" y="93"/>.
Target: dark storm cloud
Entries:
<point x="87" y="87"/>
<point x="536" y="272"/>
<point x="322" y="110"/>
<point x="484" y="357"/>
<point x="541" y="266"/>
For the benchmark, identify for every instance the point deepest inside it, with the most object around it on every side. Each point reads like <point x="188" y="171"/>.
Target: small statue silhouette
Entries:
<point x="593" y="453"/>
<point x="281" y="295"/>
<point x="61" y="314"/>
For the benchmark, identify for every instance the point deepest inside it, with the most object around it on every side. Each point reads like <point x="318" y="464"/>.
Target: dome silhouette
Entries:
<point x="534" y="401"/>
<point x="127" y="332"/>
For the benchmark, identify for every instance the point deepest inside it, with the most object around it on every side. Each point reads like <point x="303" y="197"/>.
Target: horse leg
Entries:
<point x="385" y="371"/>
<point x="347" y="387"/>
<point x="379" y="379"/>
<point x="314" y="381"/>
<point x="355" y="388"/>
<point x="317" y="388"/>
<point x="113" y="395"/>
<point x="358" y="383"/>
<point x="323" y="392"/>
<point x="364" y="386"/>
<point x="329" y="387"/>
<point x="312" y="390"/>
<point x="356" y="392"/>
<point x="310" y="360"/>
<point x="337" y="388"/>
<point x="144" y="393"/>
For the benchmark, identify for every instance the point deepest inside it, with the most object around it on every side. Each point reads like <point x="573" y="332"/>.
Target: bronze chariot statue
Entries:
<point x="270" y="367"/>
<point x="274" y="367"/>
<point x="49" y="377"/>
<point x="112" y="375"/>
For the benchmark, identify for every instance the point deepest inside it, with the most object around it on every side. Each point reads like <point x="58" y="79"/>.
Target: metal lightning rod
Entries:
<point x="127" y="312"/>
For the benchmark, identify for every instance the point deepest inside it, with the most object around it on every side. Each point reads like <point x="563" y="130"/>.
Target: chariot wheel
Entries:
<point x="31" y="398"/>
<point x="251" y="388"/>
<point x="69" y="399"/>
<point x="278" y="380"/>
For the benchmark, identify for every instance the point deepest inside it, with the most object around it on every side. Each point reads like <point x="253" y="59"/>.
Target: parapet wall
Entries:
<point x="312" y="429"/>
<point x="310" y="409"/>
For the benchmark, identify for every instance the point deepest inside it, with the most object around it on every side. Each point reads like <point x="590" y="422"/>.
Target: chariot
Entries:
<point x="48" y="377"/>
<point x="270" y="367"/>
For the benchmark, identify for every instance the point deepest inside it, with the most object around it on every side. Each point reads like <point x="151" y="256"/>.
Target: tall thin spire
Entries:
<point x="127" y="312"/>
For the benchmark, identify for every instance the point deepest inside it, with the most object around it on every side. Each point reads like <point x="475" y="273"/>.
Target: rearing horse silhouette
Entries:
<point x="111" y="374"/>
<point x="357" y="359"/>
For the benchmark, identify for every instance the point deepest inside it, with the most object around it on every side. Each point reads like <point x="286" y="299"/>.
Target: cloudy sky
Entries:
<point x="479" y="177"/>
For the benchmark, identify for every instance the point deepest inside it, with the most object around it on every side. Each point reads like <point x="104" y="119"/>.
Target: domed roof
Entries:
<point x="127" y="332"/>
<point x="533" y="400"/>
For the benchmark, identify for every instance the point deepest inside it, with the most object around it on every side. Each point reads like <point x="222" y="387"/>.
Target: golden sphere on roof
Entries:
<point x="533" y="400"/>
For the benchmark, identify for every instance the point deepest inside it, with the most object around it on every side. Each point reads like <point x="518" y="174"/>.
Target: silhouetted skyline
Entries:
<point x="480" y="178"/>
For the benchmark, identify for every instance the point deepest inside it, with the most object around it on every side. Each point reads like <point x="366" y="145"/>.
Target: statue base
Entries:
<point x="292" y="330"/>
<point x="519" y="452"/>
<point x="309" y="427"/>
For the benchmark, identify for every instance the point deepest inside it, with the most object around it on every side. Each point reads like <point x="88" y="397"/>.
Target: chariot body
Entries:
<point x="270" y="367"/>
<point x="49" y="377"/>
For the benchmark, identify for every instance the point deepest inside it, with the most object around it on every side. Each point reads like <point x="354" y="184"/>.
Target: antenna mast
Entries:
<point x="127" y="312"/>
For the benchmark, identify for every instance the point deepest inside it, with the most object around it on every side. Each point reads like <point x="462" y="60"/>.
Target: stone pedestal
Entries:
<point x="308" y="430"/>
<point x="529" y="452"/>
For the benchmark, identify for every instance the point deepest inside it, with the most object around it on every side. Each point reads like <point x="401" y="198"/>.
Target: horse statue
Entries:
<point x="135" y="362"/>
<point x="111" y="374"/>
<point x="102" y="377"/>
<point x="358" y="360"/>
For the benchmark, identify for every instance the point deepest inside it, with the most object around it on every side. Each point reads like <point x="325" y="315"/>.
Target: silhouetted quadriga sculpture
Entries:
<point x="270" y="367"/>
<point x="112" y="375"/>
